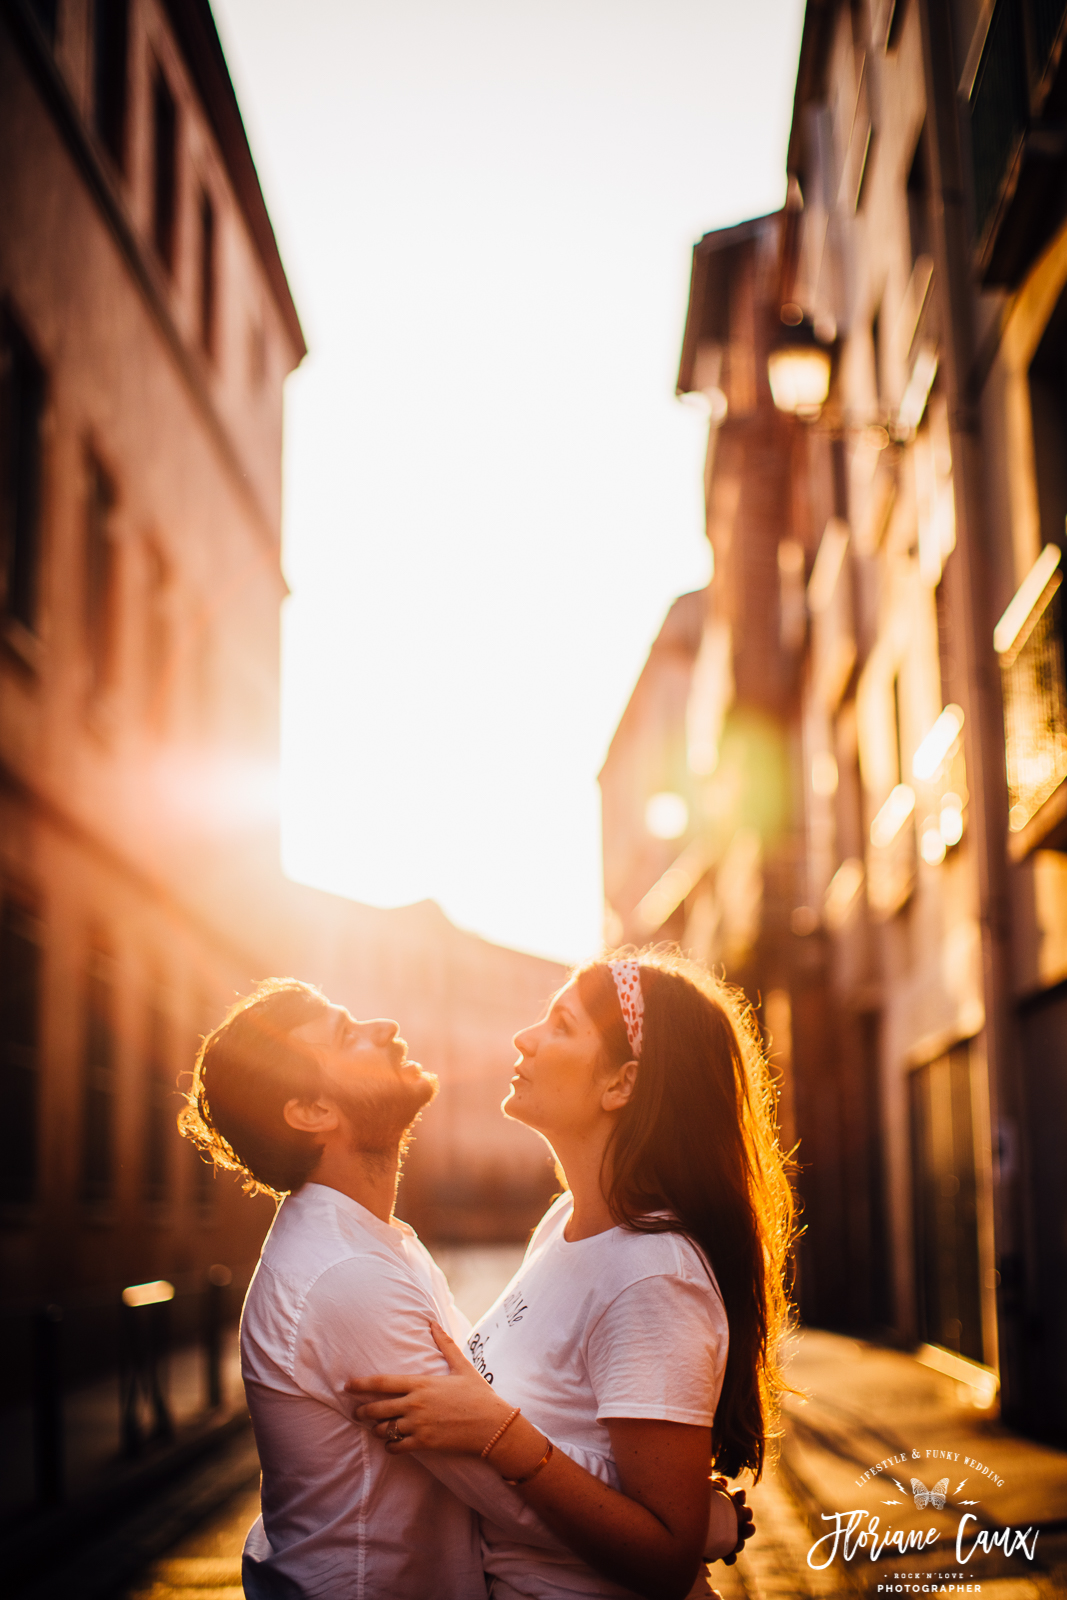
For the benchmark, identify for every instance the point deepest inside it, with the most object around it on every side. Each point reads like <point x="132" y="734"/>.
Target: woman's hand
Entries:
<point x="746" y="1525"/>
<point x="457" y="1412"/>
<point x="730" y="1525"/>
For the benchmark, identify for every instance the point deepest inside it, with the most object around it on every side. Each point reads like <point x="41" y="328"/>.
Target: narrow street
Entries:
<point x="207" y="1565"/>
<point x="774" y="1567"/>
<point x="856" y="1406"/>
<point x="859" y="1405"/>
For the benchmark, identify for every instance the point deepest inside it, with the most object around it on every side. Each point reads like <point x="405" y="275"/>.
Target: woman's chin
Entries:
<point x="512" y="1106"/>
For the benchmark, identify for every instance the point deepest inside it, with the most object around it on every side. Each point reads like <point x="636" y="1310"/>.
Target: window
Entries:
<point x="110" y="33"/>
<point x="157" y="637"/>
<point x="919" y="203"/>
<point x="876" y="344"/>
<point x="893" y="21"/>
<point x="1035" y="713"/>
<point x="207" y="273"/>
<point x="45" y="11"/>
<point x="257" y="355"/>
<point x="20" y="1012"/>
<point x="100" y="573"/>
<point x="206" y="677"/>
<point x="1048" y="412"/>
<point x="22" y="403"/>
<point x="98" y="1126"/>
<point x="999" y="109"/>
<point x="946" y="1205"/>
<point x="161" y="1103"/>
<point x="1029" y="638"/>
<point x="164" y="169"/>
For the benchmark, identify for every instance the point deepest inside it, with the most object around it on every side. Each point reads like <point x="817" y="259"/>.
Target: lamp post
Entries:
<point x="799" y="366"/>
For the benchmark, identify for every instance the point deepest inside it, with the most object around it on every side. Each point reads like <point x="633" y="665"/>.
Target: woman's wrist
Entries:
<point x="488" y="1448"/>
<point x="518" y="1450"/>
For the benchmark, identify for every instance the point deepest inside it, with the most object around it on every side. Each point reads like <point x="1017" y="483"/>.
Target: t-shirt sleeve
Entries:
<point x="363" y="1317"/>
<point x="659" y="1351"/>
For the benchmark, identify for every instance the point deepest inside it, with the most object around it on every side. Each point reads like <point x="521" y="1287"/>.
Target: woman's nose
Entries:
<point x="524" y="1041"/>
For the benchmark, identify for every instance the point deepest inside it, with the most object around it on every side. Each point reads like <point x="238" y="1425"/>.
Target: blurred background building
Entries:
<point x="146" y="329"/>
<point x="843" y="774"/>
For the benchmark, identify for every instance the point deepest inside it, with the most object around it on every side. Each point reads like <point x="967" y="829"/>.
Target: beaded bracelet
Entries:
<point x="513" y="1483"/>
<point x="500" y="1432"/>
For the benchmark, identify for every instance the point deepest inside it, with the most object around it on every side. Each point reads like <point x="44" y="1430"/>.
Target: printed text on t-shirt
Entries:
<point x="476" y="1345"/>
<point x="514" y="1306"/>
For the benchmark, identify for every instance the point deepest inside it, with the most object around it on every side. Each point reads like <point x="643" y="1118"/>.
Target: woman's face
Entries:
<point x="558" y="1086"/>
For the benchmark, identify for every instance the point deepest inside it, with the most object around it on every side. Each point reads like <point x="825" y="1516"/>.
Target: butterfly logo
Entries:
<point x="929" y="1497"/>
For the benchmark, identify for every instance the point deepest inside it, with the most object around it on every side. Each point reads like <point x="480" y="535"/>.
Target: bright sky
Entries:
<point x="486" y="209"/>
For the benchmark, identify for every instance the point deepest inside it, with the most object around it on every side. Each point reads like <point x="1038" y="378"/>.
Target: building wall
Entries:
<point x="862" y="557"/>
<point x="930" y="247"/>
<point x="898" y="910"/>
<point x="648" y="756"/>
<point x="130" y="781"/>
<point x="138" y="731"/>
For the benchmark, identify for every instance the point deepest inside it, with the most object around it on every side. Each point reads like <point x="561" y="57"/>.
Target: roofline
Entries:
<point x="194" y="27"/>
<point x="711" y="243"/>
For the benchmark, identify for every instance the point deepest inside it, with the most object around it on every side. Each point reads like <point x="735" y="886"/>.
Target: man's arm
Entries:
<point x="367" y="1314"/>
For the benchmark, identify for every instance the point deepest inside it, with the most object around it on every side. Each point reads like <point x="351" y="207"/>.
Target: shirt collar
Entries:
<point x="320" y="1196"/>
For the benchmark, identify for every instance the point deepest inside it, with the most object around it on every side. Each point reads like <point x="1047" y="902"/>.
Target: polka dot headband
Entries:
<point x="627" y="975"/>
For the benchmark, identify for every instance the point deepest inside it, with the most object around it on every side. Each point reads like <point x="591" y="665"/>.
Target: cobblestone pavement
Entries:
<point x="774" y="1565"/>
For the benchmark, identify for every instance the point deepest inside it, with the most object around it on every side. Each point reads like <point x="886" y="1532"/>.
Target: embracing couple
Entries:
<point x="633" y="1353"/>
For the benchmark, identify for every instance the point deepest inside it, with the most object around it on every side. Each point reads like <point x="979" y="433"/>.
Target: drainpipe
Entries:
<point x="969" y="591"/>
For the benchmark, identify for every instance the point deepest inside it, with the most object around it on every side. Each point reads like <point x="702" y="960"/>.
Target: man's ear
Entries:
<point x="311" y="1116"/>
<point x="620" y="1087"/>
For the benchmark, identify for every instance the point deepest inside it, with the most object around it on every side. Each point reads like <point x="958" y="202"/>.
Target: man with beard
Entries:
<point x="314" y="1108"/>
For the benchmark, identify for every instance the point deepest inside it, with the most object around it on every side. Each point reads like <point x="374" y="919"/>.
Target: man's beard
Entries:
<point x="381" y="1121"/>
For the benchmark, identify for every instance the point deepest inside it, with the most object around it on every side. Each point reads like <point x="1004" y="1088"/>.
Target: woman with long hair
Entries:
<point x="641" y="1333"/>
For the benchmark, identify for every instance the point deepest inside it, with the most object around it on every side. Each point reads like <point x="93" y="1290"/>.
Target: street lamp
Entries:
<point x="799" y="366"/>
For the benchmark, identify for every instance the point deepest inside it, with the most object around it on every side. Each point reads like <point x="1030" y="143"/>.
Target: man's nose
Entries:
<point x="383" y="1030"/>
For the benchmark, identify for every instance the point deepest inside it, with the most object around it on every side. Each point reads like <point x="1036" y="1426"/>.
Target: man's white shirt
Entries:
<point x="339" y="1294"/>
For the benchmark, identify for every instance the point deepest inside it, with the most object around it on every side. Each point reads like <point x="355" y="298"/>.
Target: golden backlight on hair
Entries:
<point x="246" y="1070"/>
<point x="696" y="1150"/>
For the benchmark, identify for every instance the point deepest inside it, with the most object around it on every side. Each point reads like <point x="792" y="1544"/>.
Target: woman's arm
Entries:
<point x="650" y="1537"/>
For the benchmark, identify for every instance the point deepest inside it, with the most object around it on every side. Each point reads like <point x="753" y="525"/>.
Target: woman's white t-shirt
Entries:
<point x="622" y="1324"/>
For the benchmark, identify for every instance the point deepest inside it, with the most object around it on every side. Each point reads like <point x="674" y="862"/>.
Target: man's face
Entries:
<point x="368" y="1076"/>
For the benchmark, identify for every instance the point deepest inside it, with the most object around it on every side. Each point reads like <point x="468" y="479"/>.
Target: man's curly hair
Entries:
<point x="246" y="1070"/>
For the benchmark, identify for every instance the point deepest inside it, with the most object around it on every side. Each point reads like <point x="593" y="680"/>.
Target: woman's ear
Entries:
<point x="619" y="1087"/>
<point x="310" y="1116"/>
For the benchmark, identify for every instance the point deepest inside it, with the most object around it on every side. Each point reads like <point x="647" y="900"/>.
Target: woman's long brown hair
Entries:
<point x="698" y="1141"/>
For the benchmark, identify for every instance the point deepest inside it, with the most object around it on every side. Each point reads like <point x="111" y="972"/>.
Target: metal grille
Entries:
<point x="999" y="108"/>
<point x="1035" y="716"/>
